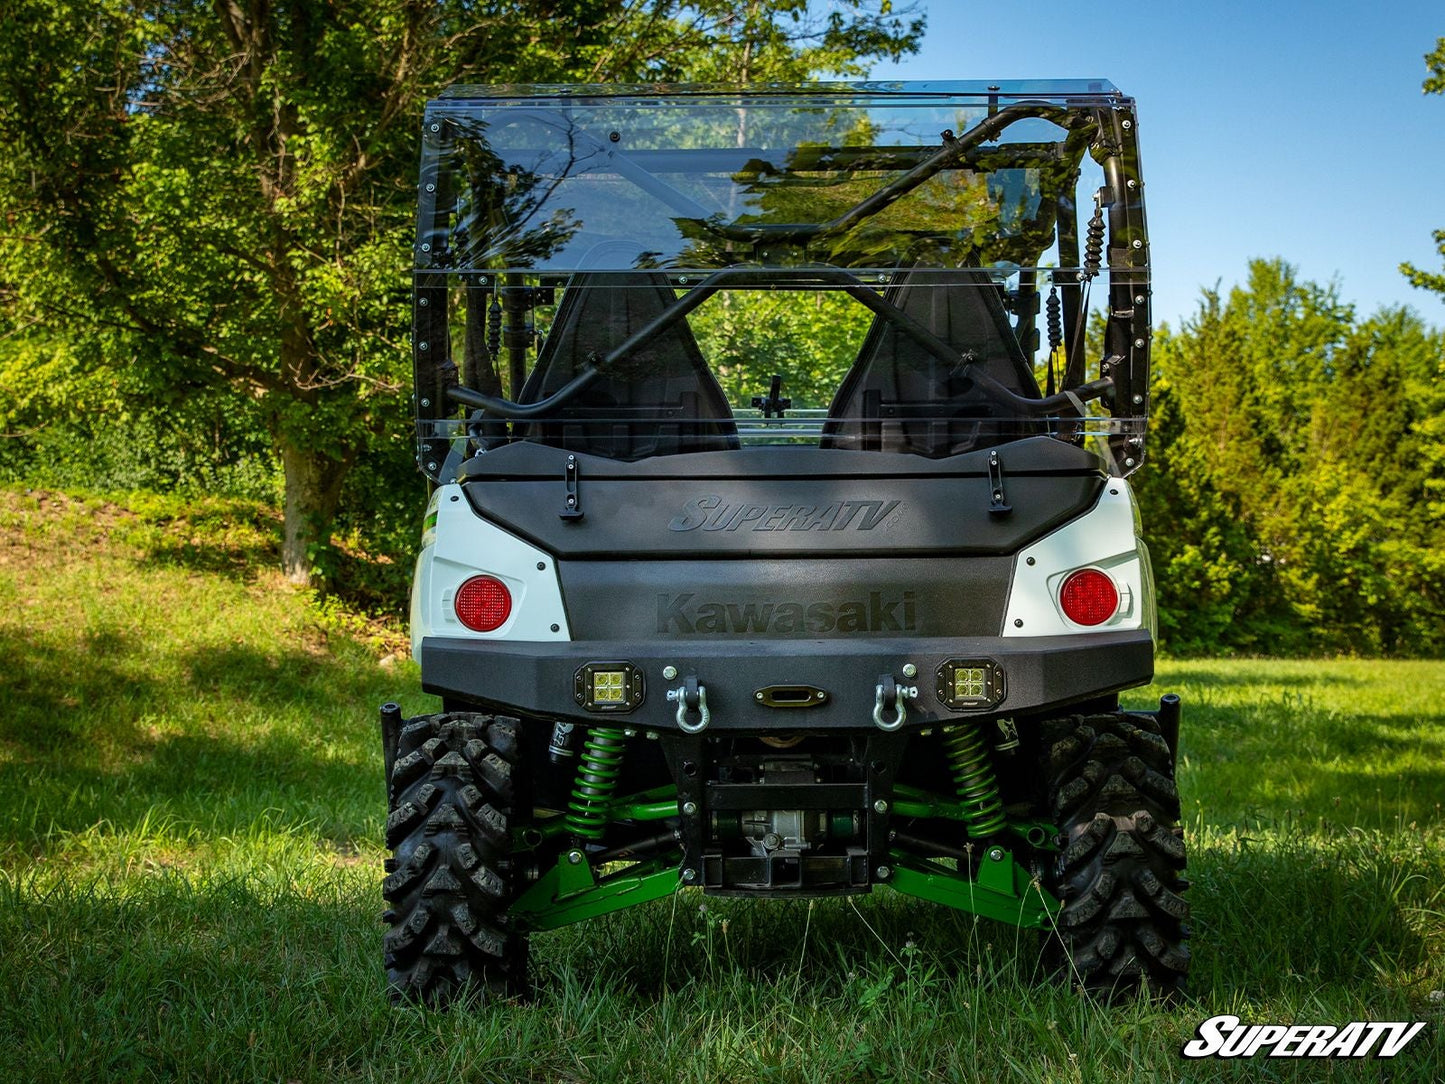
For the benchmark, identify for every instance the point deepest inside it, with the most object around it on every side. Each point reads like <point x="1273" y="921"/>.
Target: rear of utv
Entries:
<point x="780" y="542"/>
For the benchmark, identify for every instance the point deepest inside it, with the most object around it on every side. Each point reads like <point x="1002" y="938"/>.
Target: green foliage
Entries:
<point x="1292" y="495"/>
<point x="191" y="814"/>
<point x="809" y="338"/>
<point x="1434" y="84"/>
<point x="214" y="202"/>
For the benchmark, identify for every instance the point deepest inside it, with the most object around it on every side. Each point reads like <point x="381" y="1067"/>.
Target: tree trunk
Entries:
<point x="313" y="489"/>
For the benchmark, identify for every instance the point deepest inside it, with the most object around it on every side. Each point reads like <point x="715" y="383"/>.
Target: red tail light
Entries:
<point x="1089" y="597"/>
<point x="483" y="603"/>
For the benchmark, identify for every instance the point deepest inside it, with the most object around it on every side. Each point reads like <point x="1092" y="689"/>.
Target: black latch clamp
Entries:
<point x="997" y="506"/>
<point x="573" y="508"/>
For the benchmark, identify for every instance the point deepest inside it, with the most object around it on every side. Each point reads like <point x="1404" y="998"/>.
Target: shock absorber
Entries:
<point x="1056" y="334"/>
<point x="1094" y="243"/>
<point x="599" y="766"/>
<point x="1056" y="321"/>
<point x="974" y="780"/>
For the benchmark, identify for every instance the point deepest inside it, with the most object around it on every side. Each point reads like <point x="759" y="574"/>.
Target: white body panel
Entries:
<point x="1106" y="538"/>
<point x="460" y="546"/>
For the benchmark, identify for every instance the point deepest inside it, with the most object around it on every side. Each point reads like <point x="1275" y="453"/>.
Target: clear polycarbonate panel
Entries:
<point x="923" y="269"/>
<point x="845" y="177"/>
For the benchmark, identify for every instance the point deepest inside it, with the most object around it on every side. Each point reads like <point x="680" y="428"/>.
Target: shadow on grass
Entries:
<point x="1188" y="673"/>
<point x="1294" y="912"/>
<point x="1277" y="918"/>
<point x="1277" y="761"/>
<point x="242" y="732"/>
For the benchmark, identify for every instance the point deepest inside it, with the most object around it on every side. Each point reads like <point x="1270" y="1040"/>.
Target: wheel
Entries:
<point x="450" y="881"/>
<point x="1113" y="798"/>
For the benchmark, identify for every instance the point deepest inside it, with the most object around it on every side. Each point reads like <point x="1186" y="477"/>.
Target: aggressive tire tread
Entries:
<point x="451" y="878"/>
<point x="1113" y="797"/>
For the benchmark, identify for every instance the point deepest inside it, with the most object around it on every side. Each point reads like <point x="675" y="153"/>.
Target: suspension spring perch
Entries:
<point x="599" y="767"/>
<point x="974" y="780"/>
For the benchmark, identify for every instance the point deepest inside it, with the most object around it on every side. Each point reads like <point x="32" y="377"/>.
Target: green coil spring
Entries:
<point x="599" y="766"/>
<point x="974" y="780"/>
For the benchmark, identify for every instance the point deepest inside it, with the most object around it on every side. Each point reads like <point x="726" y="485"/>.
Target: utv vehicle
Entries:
<point x="779" y="541"/>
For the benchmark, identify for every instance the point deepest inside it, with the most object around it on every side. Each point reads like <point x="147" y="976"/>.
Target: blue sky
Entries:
<point x="1295" y="130"/>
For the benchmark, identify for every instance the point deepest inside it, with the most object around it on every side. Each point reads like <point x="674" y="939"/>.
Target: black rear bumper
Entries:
<point x="539" y="679"/>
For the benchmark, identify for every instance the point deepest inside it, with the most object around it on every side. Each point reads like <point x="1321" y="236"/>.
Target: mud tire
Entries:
<point x="450" y="880"/>
<point x="1123" y="926"/>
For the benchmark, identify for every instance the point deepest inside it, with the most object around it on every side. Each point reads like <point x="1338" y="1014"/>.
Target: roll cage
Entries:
<point x="494" y="224"/>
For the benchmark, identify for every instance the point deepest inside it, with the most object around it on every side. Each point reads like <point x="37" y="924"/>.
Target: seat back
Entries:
<point x="898" y="397"/>
<point x="660" y="400"/>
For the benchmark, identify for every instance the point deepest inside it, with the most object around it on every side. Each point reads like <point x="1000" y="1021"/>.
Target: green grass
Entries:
<point x="191" y="809"/>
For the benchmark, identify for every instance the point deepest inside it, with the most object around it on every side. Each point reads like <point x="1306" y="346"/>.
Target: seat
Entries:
<point x="662" y="399"/>
<point x="898" y="397"/>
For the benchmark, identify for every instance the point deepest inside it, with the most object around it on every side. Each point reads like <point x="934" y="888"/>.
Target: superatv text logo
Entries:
<point x="1226" y="1037"/>
<point x="880" y="613"/>
<point x="712" y="513"/>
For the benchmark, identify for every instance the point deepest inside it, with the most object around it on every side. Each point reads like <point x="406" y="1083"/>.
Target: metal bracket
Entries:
<point x="573" y="508"/>
<point x="997" y="506"/>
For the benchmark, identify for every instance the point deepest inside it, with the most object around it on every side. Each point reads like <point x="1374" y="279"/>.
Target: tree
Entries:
<point x="1434" y="84"/>
<point x="1292" y="498"/>
<point x="212" y="199"/>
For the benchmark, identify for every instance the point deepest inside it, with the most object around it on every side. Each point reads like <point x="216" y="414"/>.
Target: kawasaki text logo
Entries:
<point x="1226" y="1037"/>
<point x="680" y="613"/>
<point x="712" y="513"/>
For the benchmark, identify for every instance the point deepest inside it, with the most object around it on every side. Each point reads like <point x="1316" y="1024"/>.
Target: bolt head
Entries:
<point x="995" y="854"/>
<point x="574" y="857"/>
<point x="880" y="806"/>
<point x="669" y="672"/>
<point x="436" y="127"/>
<point x="909" y="670"/>
<point x="689" y="808"/>
<point x="689" y="875"/>
<point x="1138" y="243"/>
<point x="883" y="873"/>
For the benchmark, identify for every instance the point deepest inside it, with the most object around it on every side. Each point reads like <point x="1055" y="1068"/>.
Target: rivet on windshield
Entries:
<point x="1138" y="399"/>
<point x="423" y="346"/>
<point x="1128" y="124"/>
<point x="436" y="127"/>
<point x="1129" y="462"/>
<point x="614" y="136"/>
<point x="1139" y="342"/>
<point x="431" y="188"/>
<point x="1138" y="243"/>
<point x="1138" y="299"/>
<point x="426" y="246"/>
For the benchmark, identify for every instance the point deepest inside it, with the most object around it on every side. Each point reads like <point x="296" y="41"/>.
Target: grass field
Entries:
<point x="191" y="808"/>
